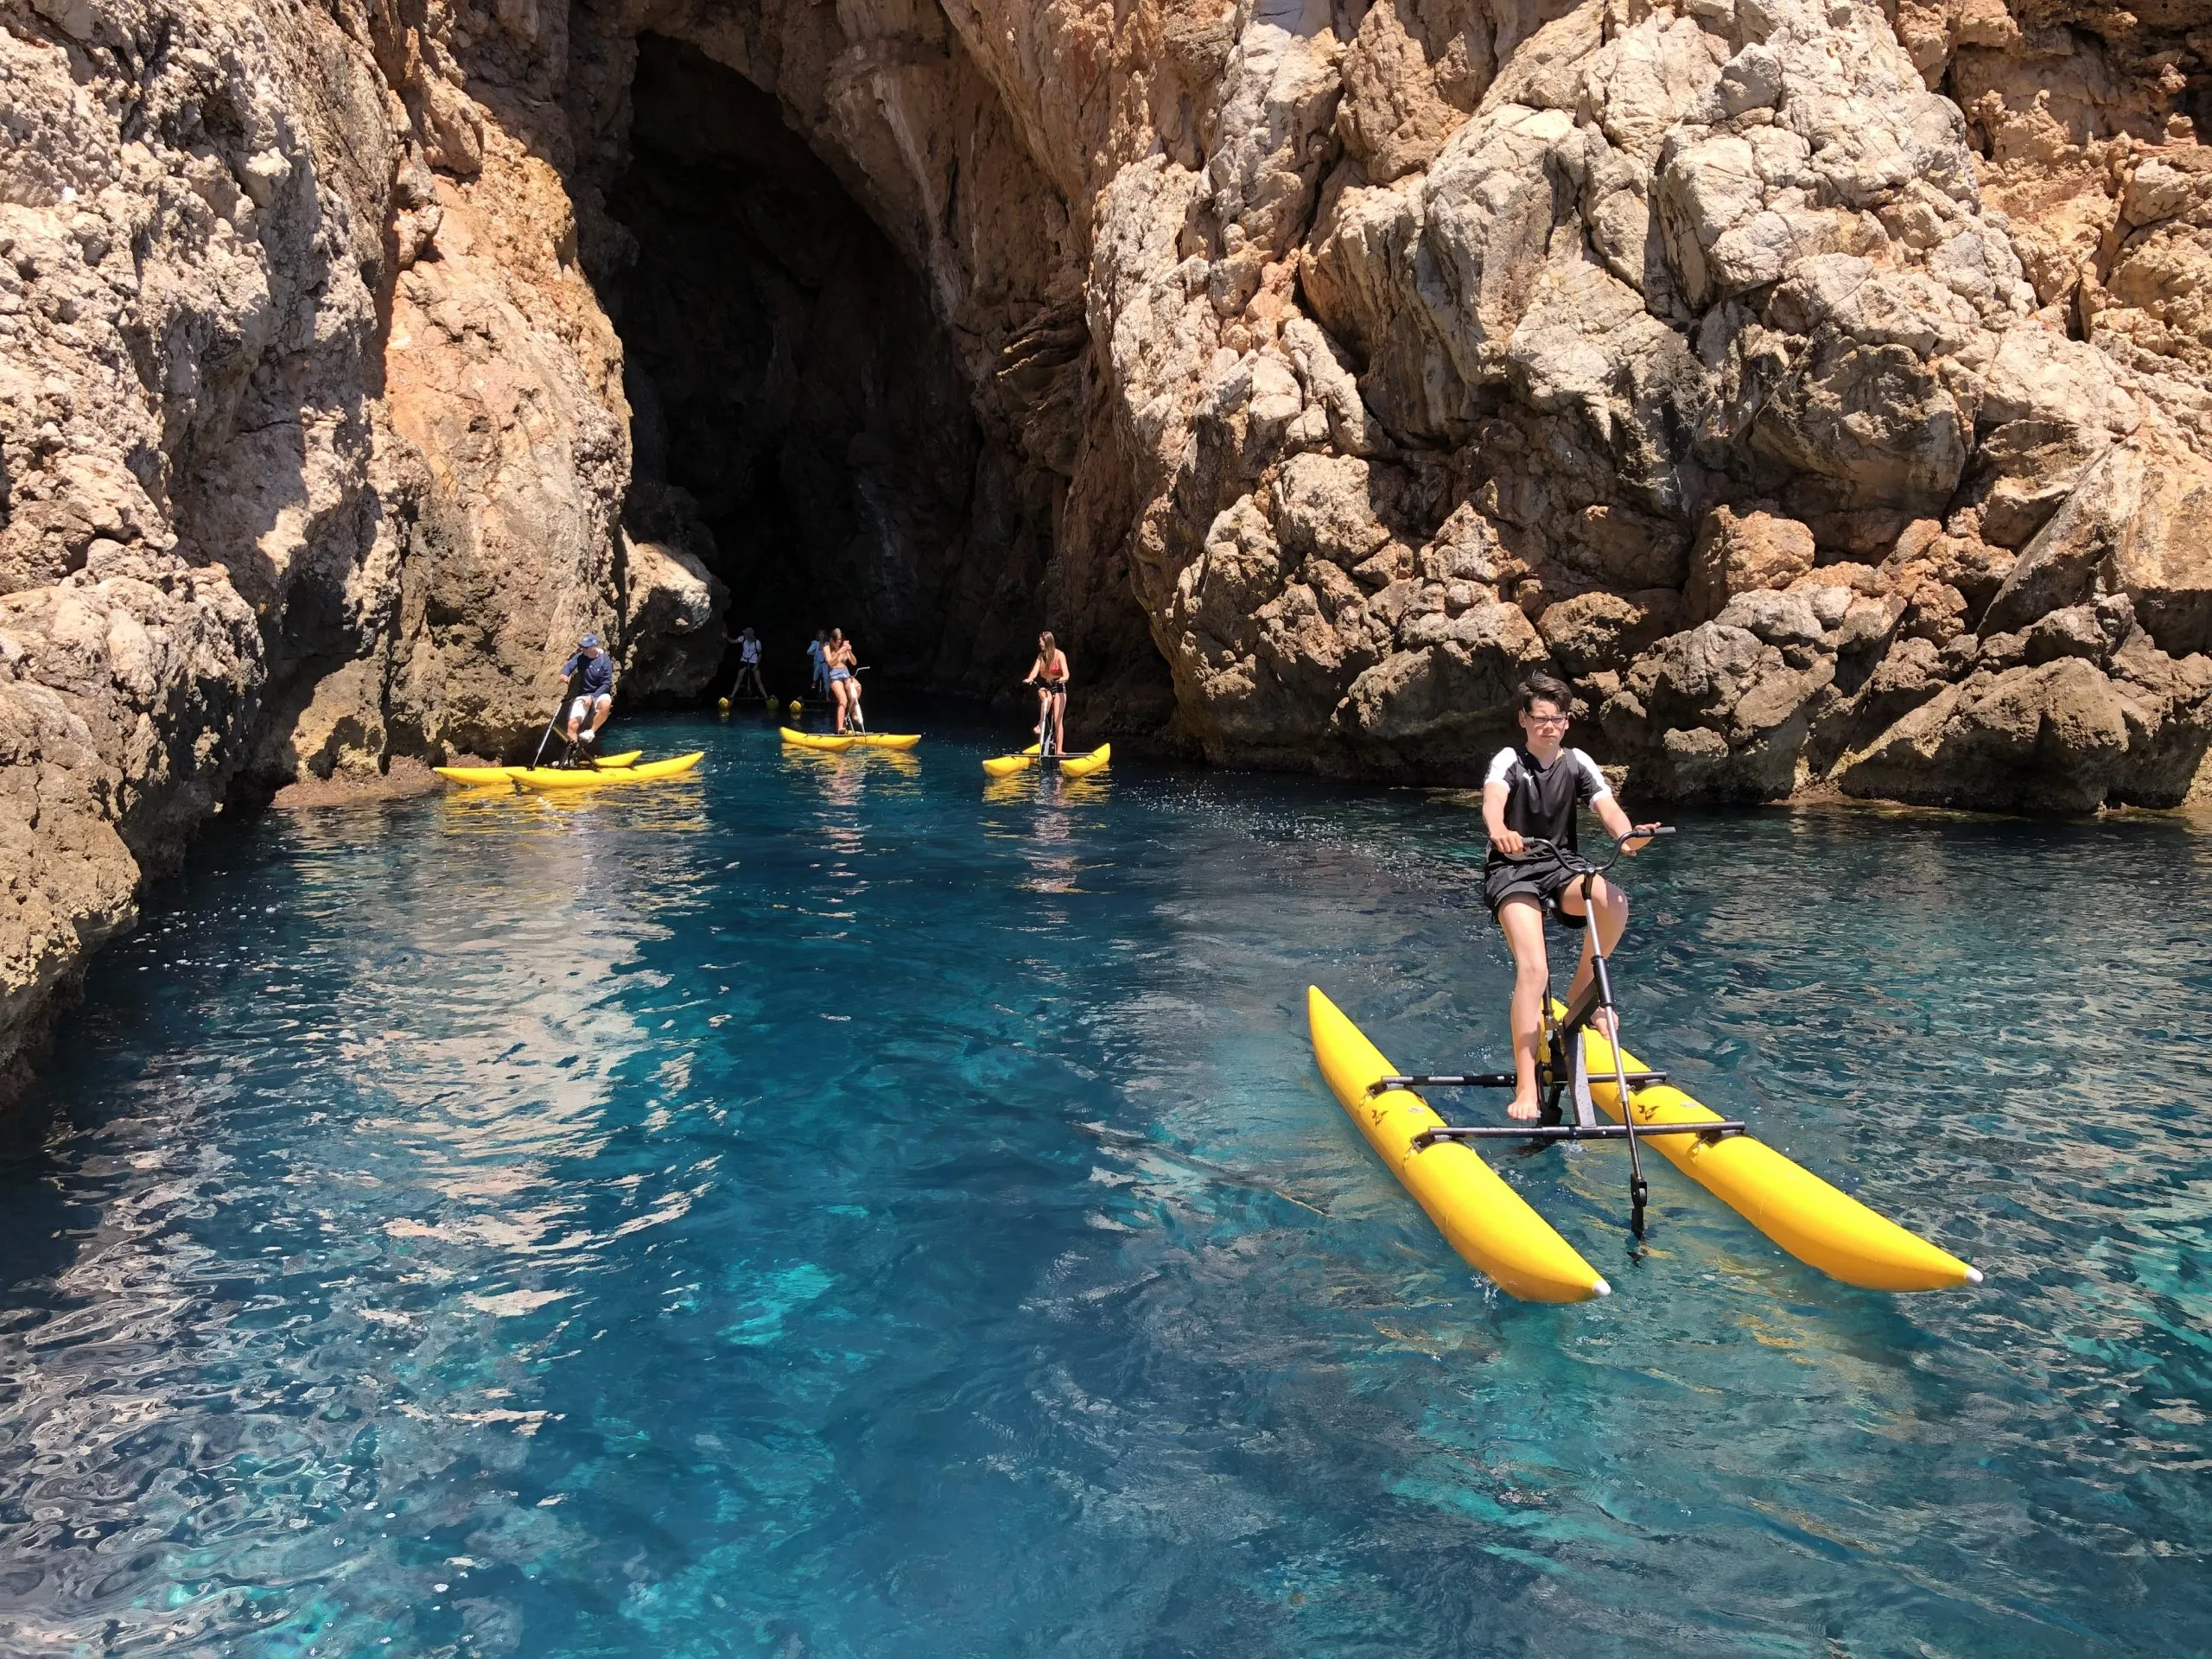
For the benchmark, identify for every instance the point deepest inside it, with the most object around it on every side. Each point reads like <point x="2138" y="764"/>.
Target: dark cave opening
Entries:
<point x="800" y="419"/>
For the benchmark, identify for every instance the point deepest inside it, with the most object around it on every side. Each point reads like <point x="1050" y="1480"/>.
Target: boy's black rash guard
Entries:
<point x="1543" y="800"/>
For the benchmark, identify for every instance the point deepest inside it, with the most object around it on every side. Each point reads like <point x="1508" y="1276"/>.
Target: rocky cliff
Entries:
<point x="1825" y="390"/>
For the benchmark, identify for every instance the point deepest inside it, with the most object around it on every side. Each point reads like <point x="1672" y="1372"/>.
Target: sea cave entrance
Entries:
<point x="800" y="419"/>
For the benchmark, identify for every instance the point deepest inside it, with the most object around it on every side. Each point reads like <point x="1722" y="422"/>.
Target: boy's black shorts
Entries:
<point x="1541" y="876"/>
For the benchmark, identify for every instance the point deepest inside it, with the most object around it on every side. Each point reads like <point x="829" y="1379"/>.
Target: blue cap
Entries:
<point x="589" y="640"/>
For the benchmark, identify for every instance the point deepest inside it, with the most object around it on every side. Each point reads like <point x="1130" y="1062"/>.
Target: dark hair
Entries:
<point x="1542" y="688"/>
<point x="1046" y="641"/>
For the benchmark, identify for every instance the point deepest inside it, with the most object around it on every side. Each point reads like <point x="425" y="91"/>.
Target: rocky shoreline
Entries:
<point x="407" y="779"/>
<point x="1823" y="388"/>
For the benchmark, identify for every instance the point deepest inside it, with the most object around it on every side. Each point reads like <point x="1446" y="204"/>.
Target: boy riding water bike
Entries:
<point x="1531" y="794"/>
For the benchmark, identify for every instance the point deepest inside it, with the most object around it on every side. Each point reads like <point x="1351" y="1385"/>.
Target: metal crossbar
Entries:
<point x="1481" y="1080"/>
<point x="1714" y="1131"/>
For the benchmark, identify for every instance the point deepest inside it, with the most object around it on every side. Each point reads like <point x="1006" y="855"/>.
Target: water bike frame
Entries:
<point x="1562" y="1071"/>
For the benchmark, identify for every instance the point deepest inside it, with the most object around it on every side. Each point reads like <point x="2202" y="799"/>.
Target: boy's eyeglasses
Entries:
<point x="1548" y="719"/>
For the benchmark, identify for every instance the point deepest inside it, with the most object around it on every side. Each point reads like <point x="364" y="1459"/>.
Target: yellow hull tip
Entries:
<point x="1974" y="1275"/>
<point x="1602" y="1288"/>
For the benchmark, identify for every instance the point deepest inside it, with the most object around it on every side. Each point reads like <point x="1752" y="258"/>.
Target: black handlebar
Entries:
<point x="1574" y="860"/>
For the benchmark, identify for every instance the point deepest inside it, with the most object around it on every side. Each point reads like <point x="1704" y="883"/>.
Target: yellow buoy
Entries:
<point x="722" y="703"/>
<point x="798" y="708"/>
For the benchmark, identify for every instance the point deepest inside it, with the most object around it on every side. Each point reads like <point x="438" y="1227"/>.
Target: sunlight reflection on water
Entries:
<point x="836" y="1204"/>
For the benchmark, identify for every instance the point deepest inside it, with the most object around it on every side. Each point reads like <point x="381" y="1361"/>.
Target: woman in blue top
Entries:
<point x="844" y="678"/>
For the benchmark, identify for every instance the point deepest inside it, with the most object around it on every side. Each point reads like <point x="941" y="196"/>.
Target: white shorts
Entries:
<point x="582" y="706"/>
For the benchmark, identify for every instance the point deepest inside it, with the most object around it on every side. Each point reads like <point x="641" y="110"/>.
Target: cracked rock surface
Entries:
<point x="1823" y="388"/>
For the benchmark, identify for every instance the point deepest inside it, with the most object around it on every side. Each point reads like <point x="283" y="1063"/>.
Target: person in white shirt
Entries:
<point x="748" y="669"/>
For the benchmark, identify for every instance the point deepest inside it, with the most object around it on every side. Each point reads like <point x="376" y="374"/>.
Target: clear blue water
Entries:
<point x="835" y="1209"/>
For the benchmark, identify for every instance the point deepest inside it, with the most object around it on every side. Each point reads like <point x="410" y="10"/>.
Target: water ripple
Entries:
<point x="829" y="1207"/>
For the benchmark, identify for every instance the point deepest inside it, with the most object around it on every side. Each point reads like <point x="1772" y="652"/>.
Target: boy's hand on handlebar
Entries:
<point x="1638" y="839"/>
<point x="1509" y="841"/>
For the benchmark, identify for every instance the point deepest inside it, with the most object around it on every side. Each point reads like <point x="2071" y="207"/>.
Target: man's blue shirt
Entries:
<point x="598" y="675"/>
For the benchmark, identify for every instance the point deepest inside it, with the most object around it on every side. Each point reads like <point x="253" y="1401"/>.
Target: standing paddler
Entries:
<point x="1049" y="674"/>
<point x="1532" y="792"/>
<point x="590" y="695"/>
<point x="844" y="678"/>
<point x="749" y="682"/>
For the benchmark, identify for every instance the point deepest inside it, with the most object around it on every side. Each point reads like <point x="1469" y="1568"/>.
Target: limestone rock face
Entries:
<point x="1823" y="387"/>
<point x="1629" y="318"/>
<point x="71" y="883"/>
<point x="124" y="688"/>
<point x="673" y="602"/>
<point x="311" y="447"/>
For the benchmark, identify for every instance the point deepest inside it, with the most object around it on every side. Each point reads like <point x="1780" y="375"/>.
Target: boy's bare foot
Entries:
<point x="1523" y="1109"/>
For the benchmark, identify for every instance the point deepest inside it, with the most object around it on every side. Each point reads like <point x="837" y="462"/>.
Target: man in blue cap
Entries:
<point x="591" y="693"/>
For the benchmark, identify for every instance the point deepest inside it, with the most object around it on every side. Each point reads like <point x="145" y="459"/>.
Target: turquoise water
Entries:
<point x="833" y="1208"/>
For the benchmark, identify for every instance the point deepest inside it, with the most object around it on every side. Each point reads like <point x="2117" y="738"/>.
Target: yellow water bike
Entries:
<point x="1582" y="1070"/>
<point x="1045" y="752"/>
